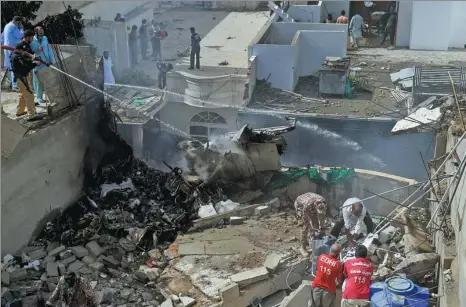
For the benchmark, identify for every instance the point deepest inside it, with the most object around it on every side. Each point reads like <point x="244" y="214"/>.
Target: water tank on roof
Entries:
<point x="398" y="292"/>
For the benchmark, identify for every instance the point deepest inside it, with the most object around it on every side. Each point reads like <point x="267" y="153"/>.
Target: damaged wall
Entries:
<point x="43" y="173"/>
<point x="457" y="211"/>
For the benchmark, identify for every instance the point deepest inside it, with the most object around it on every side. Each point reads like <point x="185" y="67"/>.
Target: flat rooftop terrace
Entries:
<point x="228" y="41"/>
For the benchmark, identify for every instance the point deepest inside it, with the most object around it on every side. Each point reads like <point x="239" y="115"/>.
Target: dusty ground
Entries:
<point x="247" y="246"/>
<point x="368" y="101"/>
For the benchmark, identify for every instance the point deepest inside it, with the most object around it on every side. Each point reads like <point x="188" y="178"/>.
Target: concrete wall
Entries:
<point x="179" y="115"/>
<point x="80" y="63"/>
<point x="458" y="210"/>
<point x="429" y="35"/>
<point x="284" y="32"/>
<point x="219" y="89"/>
<point x="415" y="30"/>
<point x="40" y="176"/>
<point x="335" y="7"/>
<point x="252" y="76"/>
<point x="458" y="25"/>
<point x="132" y="133"/>
<point x="314" y="46"/>
<point x="276" y="64"/>
<point x="110" y="36"/>
<point x="305" y="13"/>
<point x="403" y="30"/>
<point x="108" y="10"/>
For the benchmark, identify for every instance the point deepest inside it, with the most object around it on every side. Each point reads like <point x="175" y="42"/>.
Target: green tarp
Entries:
<point x="333" y="176"/>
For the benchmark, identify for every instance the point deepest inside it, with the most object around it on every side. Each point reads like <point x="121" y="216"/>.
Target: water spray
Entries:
<point x="275" y="113"/>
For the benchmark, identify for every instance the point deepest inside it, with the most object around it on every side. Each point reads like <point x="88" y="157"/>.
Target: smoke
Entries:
<point x="223" y="144"/>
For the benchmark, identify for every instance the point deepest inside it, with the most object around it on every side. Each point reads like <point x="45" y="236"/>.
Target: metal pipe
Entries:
<point x="456" y="176"/>
<point x="409" y="206"/>
<point x="436" y="173"/>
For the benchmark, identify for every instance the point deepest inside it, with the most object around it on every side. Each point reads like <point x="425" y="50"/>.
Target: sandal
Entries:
<point x="21" y="114"/>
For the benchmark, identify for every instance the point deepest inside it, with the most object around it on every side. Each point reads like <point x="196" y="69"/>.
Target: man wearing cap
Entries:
<point x="329" y="273"/>
<point x="355" y="217"/>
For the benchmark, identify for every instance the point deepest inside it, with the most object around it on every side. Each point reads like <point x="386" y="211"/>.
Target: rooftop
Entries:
<point x="225" y="36"/>
<point x="135" y="104"/>
<point x="228" y="41"/>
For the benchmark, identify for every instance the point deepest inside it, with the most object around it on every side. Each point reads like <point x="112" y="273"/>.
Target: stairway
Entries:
<point x="279" y="12"/>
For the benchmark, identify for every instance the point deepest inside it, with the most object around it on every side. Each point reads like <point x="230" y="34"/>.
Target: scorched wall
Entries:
<point x="42" y="174"/>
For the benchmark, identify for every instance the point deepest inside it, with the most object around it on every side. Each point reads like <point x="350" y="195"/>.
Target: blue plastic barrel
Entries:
<point x="398" y="292"/>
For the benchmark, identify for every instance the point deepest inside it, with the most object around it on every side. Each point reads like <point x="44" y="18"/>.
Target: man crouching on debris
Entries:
<point x="73" y="291"/>
<point x="354" y="216"/>
<point x="313" y="209"/>
<point x="329" y="273"/>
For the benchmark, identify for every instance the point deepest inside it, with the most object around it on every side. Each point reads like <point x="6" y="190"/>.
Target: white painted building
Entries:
<point x="431" y="25"/>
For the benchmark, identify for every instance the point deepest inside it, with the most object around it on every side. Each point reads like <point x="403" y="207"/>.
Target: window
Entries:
<point x="207" y="124"/>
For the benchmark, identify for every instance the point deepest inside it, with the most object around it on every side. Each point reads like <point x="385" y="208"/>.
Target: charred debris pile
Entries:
<point x="126" y="216"/>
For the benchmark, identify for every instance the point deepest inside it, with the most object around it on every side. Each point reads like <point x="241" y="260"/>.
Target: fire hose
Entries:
<point x="5" y="47"/>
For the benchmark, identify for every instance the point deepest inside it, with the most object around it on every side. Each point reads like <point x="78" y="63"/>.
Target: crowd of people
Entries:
<point x="26" y="53"/>
<point x="355" y="274"/>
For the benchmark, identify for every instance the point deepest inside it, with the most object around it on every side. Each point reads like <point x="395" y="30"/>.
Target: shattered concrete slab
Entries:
<point x="249" y="277"/>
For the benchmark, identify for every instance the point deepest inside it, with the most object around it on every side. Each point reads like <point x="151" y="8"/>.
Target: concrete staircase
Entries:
<point x="279" y="12"/>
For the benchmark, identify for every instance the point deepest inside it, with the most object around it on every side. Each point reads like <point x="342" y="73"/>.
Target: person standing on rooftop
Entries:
<point x="144" y="39"/>
<point x="195" y="49"/>
<point x="12" y="35"/>
<point x="41" y="48"/>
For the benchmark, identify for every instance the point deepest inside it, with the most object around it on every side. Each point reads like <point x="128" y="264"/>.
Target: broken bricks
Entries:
<point x="94" y="249"/>
<point x="79" y="251"/>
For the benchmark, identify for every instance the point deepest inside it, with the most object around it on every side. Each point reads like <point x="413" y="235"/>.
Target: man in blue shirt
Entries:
<point x="41" y="48"/>
<point x="12" y="35"/>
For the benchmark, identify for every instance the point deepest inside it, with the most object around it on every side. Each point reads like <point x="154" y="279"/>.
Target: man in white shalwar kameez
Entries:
<point x="356" y="28"/>
<point x="107" y="66"/>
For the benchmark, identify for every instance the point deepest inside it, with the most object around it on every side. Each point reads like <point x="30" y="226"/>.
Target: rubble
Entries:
<point x="249" y="277"/>
<point x="229" y="292"/>
<point x="416" y="266"/>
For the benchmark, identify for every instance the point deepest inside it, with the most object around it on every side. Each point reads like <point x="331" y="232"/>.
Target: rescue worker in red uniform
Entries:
<point x="329" y="273"/>
<point x="358" y="272"/>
